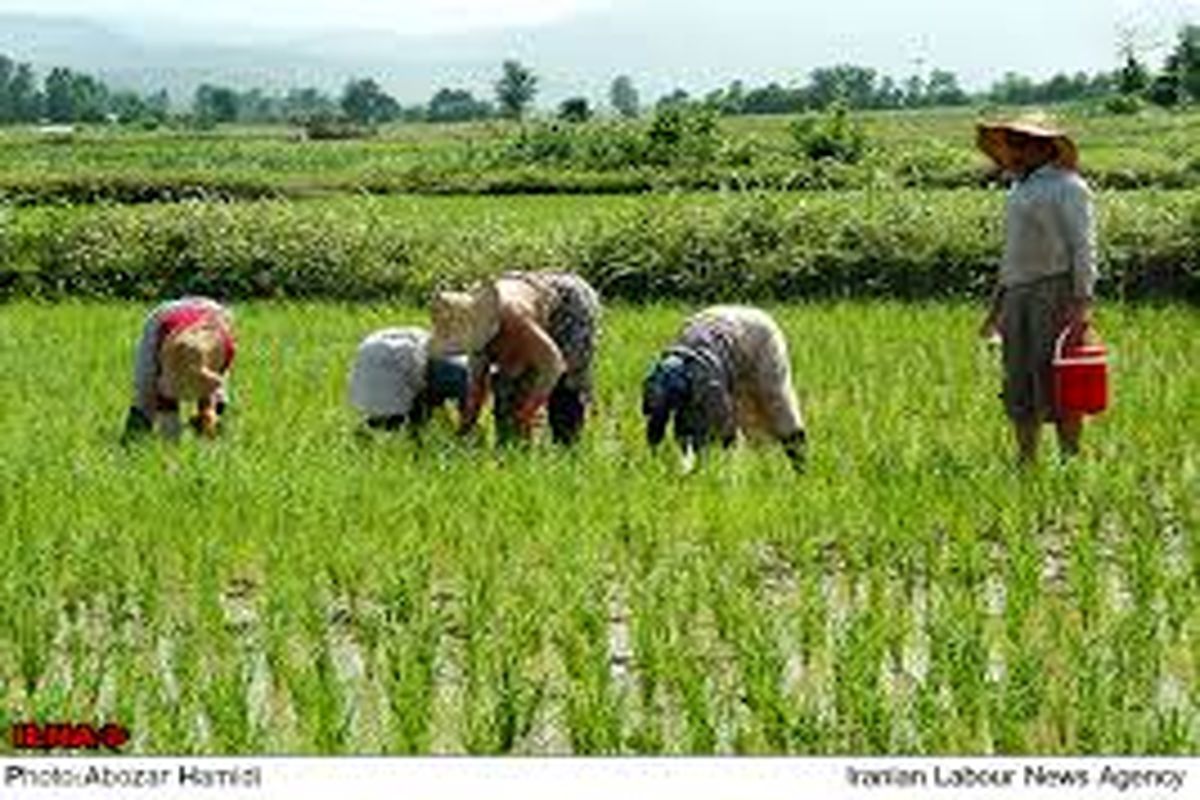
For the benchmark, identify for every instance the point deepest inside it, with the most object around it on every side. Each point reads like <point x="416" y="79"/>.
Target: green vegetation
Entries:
<point x="297" y="588"/>
<point x="294" y="588"/>
<point x="65" y="96"/>
<point x="904" y="244"/>
<point x="676" y="148"/>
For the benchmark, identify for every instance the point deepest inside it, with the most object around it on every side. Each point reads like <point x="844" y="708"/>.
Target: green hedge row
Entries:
<point x="929" y="169"/>
<point x="902" y="244"/>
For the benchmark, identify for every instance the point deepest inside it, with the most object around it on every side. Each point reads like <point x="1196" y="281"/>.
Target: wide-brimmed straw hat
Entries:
<point x="192" y="360"/>
<point x="996" y="139"/>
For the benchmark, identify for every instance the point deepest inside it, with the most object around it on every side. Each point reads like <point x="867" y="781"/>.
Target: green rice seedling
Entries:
<point x="410" y="656"/>
<point x="759" y="660"/>
<point x="319" y="700"/>
<point x="581" y="636"/>
<point x="689" y="673"/>
<point x="651" y="640"/>
<point x="959" y="656"/>
<point x="910" y="593"/>
<point x="862" y="704"/>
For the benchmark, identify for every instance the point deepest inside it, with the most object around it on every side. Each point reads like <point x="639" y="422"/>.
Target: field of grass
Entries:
<point x="295" y="588"/>
<point x="918" y="149"/>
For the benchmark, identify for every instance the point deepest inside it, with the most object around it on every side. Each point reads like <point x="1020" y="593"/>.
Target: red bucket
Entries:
<point x="1080" y="376"/>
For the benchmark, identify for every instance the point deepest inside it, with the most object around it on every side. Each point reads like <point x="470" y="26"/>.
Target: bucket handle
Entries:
<point x="1060" y="343"/>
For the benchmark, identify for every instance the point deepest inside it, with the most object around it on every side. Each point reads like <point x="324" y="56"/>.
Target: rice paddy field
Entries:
<point x="298" y="587"/>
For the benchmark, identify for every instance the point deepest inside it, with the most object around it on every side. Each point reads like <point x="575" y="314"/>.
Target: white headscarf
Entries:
<point x="389" y="371"/>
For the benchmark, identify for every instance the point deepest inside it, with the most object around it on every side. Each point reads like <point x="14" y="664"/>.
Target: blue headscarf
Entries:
<point x="666" y="389"/>
<point x="447" y="380"/>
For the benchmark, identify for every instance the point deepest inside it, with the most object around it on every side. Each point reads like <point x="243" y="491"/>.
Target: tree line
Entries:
<point x="67" y="96"/>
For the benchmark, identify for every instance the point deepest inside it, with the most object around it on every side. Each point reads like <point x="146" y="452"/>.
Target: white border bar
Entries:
<point x="730" y="778"/>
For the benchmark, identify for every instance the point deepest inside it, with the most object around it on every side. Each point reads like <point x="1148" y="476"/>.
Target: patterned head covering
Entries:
<point x="447" y="376"/>
<point x="666" y="390"/>
<point x="192" y="360"/>
<point x="464" y="322"/>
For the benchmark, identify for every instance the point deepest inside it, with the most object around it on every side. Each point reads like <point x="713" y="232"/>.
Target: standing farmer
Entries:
<point x="183" y="356"/>
<point x="727" y="371"/>
<point x="539" y="330"/>
<point x="1047" y="275"/>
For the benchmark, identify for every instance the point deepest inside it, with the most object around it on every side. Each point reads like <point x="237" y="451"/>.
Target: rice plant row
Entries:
<point x="297" y="588"/>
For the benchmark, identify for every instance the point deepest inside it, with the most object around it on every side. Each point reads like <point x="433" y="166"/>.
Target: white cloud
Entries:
<point x="404" y="16"/>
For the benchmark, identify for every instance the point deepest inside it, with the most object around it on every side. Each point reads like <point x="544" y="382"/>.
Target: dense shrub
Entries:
<point x="901" y="244"/>
<point x="832" y="134"/>
<point x="1124" y="104"/>
<point x="325" y="128"/>
<point x="675" y="136"/>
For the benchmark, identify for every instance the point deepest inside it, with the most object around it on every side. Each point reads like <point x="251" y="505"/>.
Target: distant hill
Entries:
<point x="410" y="68"/>
<point x="662" y="45"/>
<point x="126" y="60"/>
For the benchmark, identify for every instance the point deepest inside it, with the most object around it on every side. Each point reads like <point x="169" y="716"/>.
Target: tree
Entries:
<point x="367" y="104"/>
<point x="1133" y="78"/>
<point x="7" y="69"/>
<point x="89" y="98"/>
<point x="575" y="109"/>
<point x="1165" y="90"/>
<point x="888" y="95"/>
<point x="515" y="89"/>
<point x="60" y="100"/>
<point x="20" y="100"/>
<point x="1014" y="89"/>
<point x="214" y="104"/>
<point x="623" y="96"/>
<point x="731" y="100"/>
<point x="255" y="105"/>
<point x="1186" y="61"/>
<point x="674" y="99"/>
<point x="456" y="105"/>
<point x="846" y="82"/>
<point x="943" y="89"/>
<point x="774" y="99"/>
<point x="300" y="106"/>
<point x="1179" y="80"/>
<point x="158" y="105"/>
<point x="26" y="100"/>
<point x="129" y="106"/>
<point x="914" y="91"/>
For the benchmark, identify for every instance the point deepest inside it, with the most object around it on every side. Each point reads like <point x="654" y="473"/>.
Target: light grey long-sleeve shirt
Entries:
<point x="1050" y="230"/>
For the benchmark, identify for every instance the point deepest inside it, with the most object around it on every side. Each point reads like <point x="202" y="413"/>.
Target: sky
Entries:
<point x="697" y="44"/>
<point x="442" y="16"/>
<point x="414" y="17"/>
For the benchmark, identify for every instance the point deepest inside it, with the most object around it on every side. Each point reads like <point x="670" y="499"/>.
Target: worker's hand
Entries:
<point x="990" y="327"/>
<point x="527" y="411"/>
<point x="205" y="422"/>
<point x="687" y="460"/>
<point x="1078" y="319"/>
<point x="469" y="410"/>
<point x="137" y="424"/>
